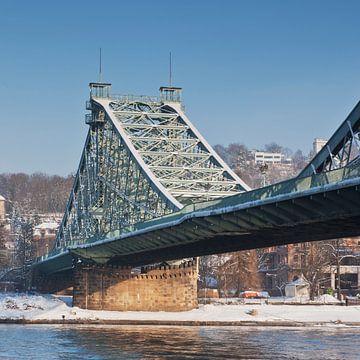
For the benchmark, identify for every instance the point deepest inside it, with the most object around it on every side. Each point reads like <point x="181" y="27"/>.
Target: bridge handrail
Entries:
<point x="284" y="188"/>
<point x="141" y="98"/>
<point x="291" y="186"/>
<point x="53" y="253"/>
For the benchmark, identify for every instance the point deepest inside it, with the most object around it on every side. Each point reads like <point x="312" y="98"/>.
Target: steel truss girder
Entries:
<point x="258" y="221"/>
<point x="342" y="149"/>
<point x="173" y="151"/>
<point x="140" y="161"/>
<point x="111" y="192"/>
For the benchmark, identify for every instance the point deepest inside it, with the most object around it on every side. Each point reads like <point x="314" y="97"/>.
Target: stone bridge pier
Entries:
<point x="162" y="288"/>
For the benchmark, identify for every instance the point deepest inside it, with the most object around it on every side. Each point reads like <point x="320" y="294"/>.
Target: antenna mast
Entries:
<point x="100" y="68"/>
<point x="170" y="71"/>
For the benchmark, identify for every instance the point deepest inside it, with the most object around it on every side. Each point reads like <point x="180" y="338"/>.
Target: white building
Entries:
<point x="2" y="208"/>
<point x="318" y="144"/>
<point x="298" y="287"/>
<point x="262" y="157"/>
<point x="46" y="229"/>
<point x="44" y="237"/>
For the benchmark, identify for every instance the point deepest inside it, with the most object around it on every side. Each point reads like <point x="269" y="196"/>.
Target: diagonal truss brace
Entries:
<point x="342" y="149"/>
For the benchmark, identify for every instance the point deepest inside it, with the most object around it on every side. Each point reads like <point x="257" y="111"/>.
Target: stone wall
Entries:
<point x="166" y="288"/>
<point x="59" y="283"/>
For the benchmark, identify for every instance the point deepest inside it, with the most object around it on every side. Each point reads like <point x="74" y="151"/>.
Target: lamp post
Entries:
<point x="338" y="259"/>
<point x="263" y="168"/>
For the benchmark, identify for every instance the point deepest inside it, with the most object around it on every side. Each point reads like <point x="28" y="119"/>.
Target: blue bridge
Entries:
<point x="150" y="188"/>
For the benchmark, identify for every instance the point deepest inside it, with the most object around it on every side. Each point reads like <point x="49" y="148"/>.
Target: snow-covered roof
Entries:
<point x="47" y="225"/>
<point x="299" y="281"/>
<point x="2" y="198"/>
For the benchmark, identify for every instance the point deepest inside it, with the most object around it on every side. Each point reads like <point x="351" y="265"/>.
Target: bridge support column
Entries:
<point x="164" y="288"/>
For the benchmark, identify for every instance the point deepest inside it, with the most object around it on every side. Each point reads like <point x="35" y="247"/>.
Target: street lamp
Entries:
<point x="263" y="168"/>
<point x="338" y="259"/>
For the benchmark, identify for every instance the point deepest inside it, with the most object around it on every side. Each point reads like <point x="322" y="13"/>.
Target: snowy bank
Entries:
<point x="298" y="300"/>
<point x="47" y="308"/>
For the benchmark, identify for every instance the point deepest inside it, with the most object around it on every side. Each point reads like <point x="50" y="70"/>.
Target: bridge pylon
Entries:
<point x="142" y="159"/>
<point x="149" y="189"/>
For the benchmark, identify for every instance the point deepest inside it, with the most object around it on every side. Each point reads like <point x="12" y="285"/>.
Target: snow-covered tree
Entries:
<point x="208" y="268"/>
<point x="3" y="252"/>
<point x="23" y="221"/>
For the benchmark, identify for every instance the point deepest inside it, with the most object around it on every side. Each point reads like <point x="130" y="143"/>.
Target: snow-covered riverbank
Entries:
<point x="47" y="308"/>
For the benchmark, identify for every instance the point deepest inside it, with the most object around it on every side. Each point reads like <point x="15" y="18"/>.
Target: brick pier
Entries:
<point x="165" y="288"/>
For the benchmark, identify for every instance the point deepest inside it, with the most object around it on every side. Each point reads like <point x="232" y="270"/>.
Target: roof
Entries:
<point x="299" y="281"/>
<point x="171" y="88"/>
<point x="47" y="225"/>
<point x="2" y="198"/>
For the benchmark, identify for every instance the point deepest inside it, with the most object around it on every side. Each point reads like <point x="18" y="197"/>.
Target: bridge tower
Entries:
<point x="149" y="188"/>
<point x="142" y="159"/>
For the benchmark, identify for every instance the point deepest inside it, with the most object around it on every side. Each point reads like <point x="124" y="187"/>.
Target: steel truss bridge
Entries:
<point x="150" y="188"/>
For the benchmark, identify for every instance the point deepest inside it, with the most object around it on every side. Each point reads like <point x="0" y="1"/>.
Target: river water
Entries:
<point x="150" y="342"/>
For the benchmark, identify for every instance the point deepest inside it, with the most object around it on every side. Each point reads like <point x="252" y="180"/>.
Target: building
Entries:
<point x="298" y="287"/>
<point x="44" y="237"/>
<point x="2" y="208"/>
<point x="282" y="264"/>
<point x="262" y="157"/>
<point x="318" y="144"/>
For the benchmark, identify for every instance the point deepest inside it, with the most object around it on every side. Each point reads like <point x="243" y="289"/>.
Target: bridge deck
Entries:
<point x="300" y="209"/>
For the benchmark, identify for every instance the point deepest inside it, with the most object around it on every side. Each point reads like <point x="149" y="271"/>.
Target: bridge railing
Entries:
<point x="140" y="98"/>
<point x="53" y="253"/>
<point x="250" y="198"/>
<point x="282" y="188"/>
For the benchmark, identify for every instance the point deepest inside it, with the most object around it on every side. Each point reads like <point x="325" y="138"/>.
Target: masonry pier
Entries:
<point x="162" y="288"/>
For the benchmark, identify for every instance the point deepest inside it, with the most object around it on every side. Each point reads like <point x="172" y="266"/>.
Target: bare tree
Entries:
<point x="299" y="160"/>
<point x="335" y="249"/>
<point x="318" y="259"/>
<point x="39" y="191"/>
<point x="274" y="148"/>
<point x="239" y="272"/>
<point x="222" y="152"/>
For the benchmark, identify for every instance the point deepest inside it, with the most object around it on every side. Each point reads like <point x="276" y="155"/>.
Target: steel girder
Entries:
<point x="111" y="191"/>
<point x="342" y="149"/>
<point x="319" y="207"/>
<point x="127" y="205"/>
<point x="142" y="159"/>
<point x="174" y="151"/>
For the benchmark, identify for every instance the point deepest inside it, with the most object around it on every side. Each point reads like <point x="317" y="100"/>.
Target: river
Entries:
<point x="150" y="342"/>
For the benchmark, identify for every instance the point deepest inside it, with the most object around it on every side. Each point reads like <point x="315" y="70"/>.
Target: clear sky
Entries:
<point x="252" y="71"/>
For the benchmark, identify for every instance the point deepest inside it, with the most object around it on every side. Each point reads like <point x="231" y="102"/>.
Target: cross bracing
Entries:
<point x="318" y="207"/>
<point x="174" y="151"/>
<point x="153" y="225"/>
<point x="142" y="159"/>
<point x="342" y="149"/>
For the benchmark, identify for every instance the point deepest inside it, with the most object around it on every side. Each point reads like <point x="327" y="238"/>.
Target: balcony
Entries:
<point x="170" y="94"/>
<point x="100" y="90"/>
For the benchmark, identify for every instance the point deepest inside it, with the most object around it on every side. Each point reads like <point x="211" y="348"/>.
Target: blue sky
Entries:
<point x="252" y="71"/>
